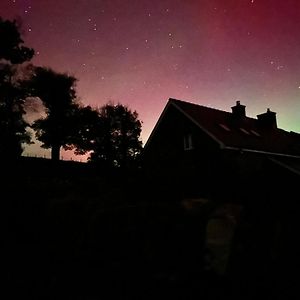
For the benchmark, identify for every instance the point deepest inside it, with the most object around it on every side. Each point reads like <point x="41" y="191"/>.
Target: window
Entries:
<point x="188" y="142"/>
<point x="224" y="127"/>
<point x="255" y="133"/>
<point x="244" y="131"/>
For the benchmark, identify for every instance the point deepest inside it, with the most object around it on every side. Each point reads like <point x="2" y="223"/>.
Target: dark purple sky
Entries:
<point x="140" y="53"/>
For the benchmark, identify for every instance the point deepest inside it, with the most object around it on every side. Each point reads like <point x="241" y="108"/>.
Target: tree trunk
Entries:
<point x="55" y="151"/>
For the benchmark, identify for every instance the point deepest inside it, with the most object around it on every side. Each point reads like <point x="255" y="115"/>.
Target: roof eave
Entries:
<point x="260" y="152"/>
<point x="157" y="124"/>
<point x="291" y="169"/>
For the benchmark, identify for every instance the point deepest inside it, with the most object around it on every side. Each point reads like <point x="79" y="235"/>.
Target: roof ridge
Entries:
<point x="216" y="109"/>
<point x="188" y="102"/>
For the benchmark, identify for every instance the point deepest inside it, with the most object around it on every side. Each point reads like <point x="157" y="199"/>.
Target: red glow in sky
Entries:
<point x="141" y="52"/>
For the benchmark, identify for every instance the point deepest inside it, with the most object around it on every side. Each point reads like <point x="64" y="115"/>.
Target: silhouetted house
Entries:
<point x="248" y="168"/>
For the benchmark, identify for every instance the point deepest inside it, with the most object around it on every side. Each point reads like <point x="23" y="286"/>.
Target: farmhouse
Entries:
<point x="201" y="151"/>
<point x="247" y="170"/>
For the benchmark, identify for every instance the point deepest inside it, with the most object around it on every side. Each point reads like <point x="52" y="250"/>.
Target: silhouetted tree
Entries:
<point x="86" y="122"/>
<point x="115" y="137"/>
<point x="57" y="92"/>
<point x="12" y="90"/>
<point x="11" y="46"/>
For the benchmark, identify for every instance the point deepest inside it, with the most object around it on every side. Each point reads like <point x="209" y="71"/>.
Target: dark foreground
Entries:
<point x="74" y="233"/>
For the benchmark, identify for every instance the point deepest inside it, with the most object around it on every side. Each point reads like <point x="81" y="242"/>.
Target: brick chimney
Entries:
<point x="267" y="119"/>
<point x="239" y="110"/>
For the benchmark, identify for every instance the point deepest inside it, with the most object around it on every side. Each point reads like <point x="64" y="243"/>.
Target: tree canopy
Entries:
<point x="115" y="137"/>
<point x="11" y="46"/>
<point x="12" y="91"/>
<point x="58" y="94"/>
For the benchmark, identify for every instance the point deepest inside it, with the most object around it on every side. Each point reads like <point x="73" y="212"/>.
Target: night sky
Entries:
<point x="142" y="52"/>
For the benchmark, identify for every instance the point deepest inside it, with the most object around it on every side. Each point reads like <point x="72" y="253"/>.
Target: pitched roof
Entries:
<point x="241" y="133"/>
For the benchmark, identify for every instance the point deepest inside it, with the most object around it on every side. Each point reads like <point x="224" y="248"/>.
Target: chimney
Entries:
<point x="267" y="119"/>
<point x="239" y="110"/>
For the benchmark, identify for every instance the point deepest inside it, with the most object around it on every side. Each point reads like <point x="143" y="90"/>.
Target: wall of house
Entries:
<point x="186" y="172"/>
<point x="239" y="176"/>
<point x="264" y="243"/>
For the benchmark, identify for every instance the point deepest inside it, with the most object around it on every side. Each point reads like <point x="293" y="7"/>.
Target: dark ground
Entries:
<point x="74" y="233"/>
